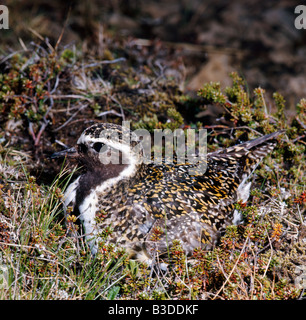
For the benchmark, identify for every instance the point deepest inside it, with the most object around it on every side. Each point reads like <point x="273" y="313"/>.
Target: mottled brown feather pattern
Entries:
<point x="194" y="209"/>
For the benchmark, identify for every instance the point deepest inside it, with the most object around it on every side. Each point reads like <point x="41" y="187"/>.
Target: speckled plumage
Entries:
<point x="138" y="199"/>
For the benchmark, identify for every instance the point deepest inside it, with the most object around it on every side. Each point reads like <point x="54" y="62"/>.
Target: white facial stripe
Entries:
<point x="112" y="143"/>
<point x="128" y="154"/>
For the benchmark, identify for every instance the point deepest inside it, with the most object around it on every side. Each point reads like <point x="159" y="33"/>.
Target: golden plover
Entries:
<point x="140" y="200"/>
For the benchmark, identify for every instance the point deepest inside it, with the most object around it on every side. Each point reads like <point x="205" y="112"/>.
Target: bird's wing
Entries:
<point x="197" y="207"/>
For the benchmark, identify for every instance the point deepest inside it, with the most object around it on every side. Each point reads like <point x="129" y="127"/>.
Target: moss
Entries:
<point x="174" y="121"/>
<point x="212" y="92"/>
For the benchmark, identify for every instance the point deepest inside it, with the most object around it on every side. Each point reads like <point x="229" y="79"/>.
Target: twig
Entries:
<point x="96" y="64"/>
<point x="84" y="121"/>
<point x="191" y="47"/>
<point x="298" y="138"/>
<point x="120" y="106"/>
<point x="234" y="267"/>
<point x="112" y="284"/>
<point x="220" y="126"/>
<point x="55" y="86"/>
<point x="300" y="215"/>
<point x="69" y="120"/>
<point x="41" y="130"/>
<point x="270" y="244"/>
<point x="39" y="36"/>
<point x="50" y="106"/>
<point x="70" y="96"/>
<point x="61" y="144"/>
<point x="10" y="56"/>
<point x="22" y="246"/>
<point x="104" y="113"/>
<point x="32" y="133"/>
<point x="22" y="44"/>
<point x="63" y="29"/>
<point x="65" y="109"/>
<point x="301" y="123"/>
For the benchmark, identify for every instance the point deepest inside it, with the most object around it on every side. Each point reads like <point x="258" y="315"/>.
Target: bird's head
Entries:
<point x="106" y="145"/>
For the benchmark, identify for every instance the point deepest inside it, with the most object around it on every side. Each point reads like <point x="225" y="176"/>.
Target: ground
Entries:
<point x="151" y="63"/>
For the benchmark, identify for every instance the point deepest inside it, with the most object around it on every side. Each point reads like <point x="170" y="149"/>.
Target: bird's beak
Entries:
<point x="70" y="153"/>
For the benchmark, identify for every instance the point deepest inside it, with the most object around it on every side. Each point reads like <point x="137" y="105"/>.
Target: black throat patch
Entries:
<point x="96" y="176"/>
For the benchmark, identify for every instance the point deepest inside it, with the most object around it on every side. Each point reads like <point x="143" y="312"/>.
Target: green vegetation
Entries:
<point x="43" y="95"/>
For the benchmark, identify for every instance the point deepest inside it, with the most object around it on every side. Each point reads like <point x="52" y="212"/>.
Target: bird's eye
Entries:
<point x="82" y="148"/>
<point x="97" y="146"/>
